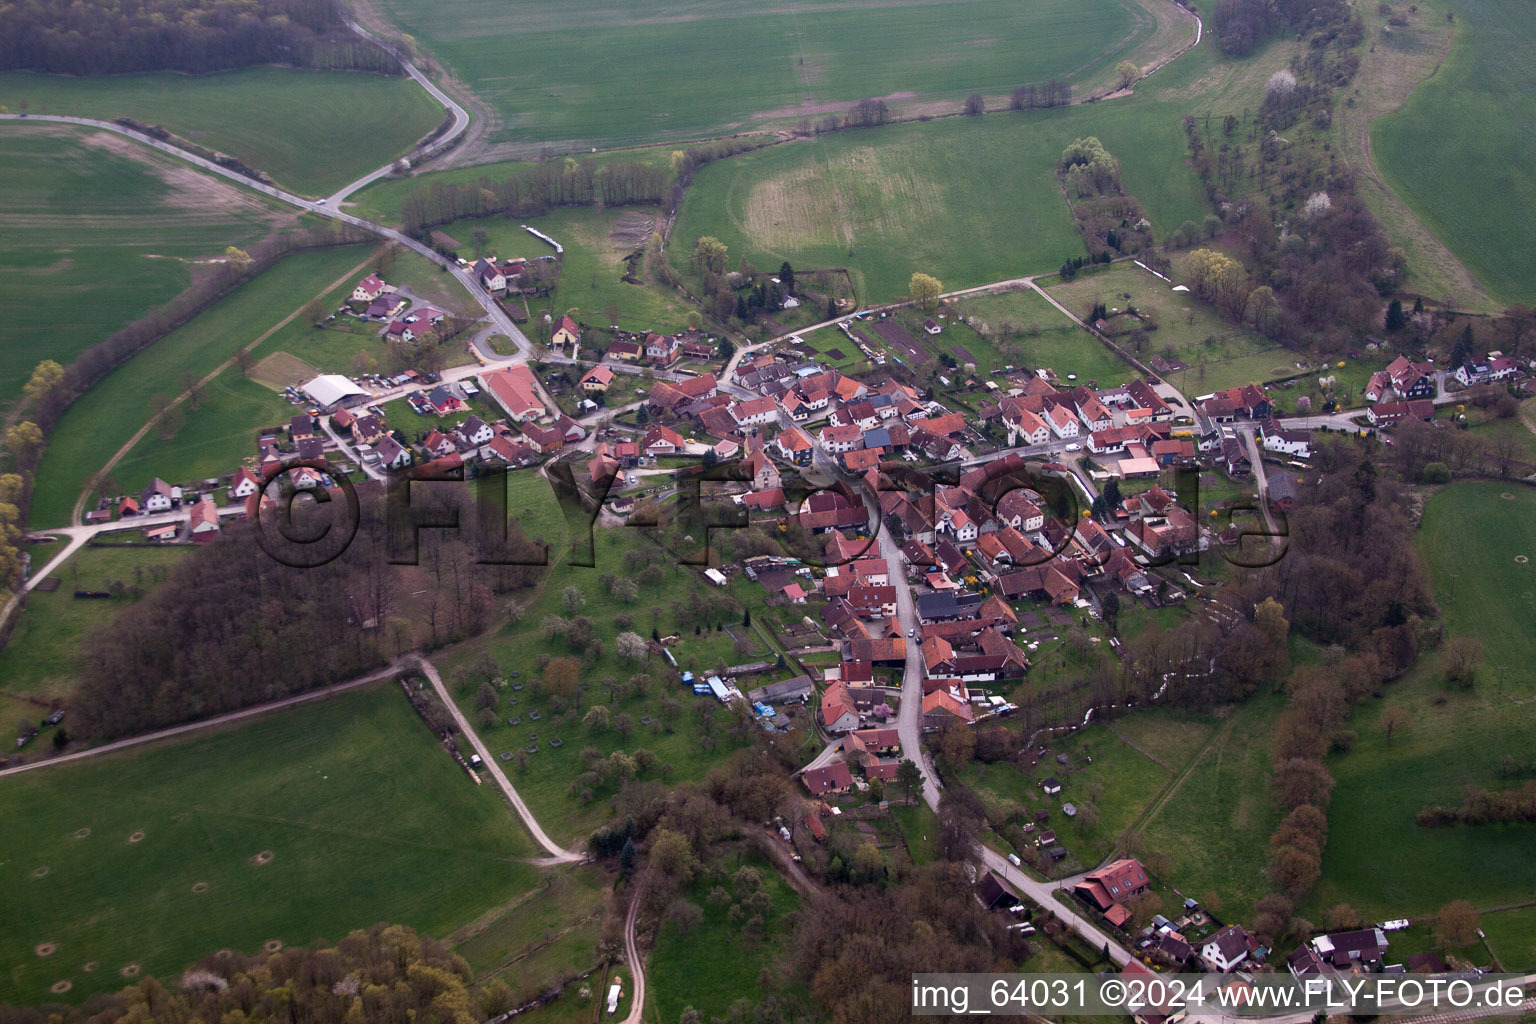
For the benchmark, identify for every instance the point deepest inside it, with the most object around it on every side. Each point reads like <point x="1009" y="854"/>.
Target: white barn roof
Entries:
<point x="331" y="388"/>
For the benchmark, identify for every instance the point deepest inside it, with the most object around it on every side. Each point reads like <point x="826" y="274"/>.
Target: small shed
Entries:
<point x="1070" y="810"/>
<point x="1051" y="787"/>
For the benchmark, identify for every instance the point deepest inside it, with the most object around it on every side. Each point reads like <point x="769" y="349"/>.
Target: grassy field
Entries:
<point x="1118" y="784"/>
<point x="715" y="963"/>
<point x="971" y="200"/>
<point x="110" y="412"/>
<point x="595" y="242"/>
<point x="1215" y="822"/>
<point x="1233" y="357"/>
<point x="1040" y="337"/>
<point x="39" y="658"/>
<point x="1473" y="538"/>
<point x="1475" y="188"/>
<point x="312" y="131"/>
<point x="1377" y="858"/>
<point x="156" y="857"/>
<point x="382" y="200"/>
<point x="218" y="434"/>
<point x="94" y="232"/>
<point x="783" y="64"/>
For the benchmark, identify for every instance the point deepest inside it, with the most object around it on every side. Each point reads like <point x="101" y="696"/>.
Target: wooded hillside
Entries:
<point x="97" y="37"/>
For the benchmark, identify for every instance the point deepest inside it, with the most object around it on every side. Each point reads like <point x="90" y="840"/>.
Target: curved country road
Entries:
<point x="557" y="853"/>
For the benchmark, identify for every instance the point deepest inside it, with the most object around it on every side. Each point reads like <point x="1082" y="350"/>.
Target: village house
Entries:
<point x="1113" y="883"/>
<point x="392" y="454"/>
<point x="624" y="351"/>
<point x="596" y="380"/>
<point x="567" y="334"/>
<point x="370" y="288"/>
<point x="1297" y="443"/>
<point x="838" y="712"/>
<point x="243" y="484"/>
<point x="1226" y="949"/>
<point x="203" y="522"/>
<point x="832" y="778"/>
<point x="1496" y="367"/>
<point x="662" y="440"/>
<point x="1387" y="414"/>
<point x="1403" y="378"/>
<point x="159" y="496"/>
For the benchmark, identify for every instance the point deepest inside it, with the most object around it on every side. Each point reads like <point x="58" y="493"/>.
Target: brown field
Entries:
<point x="281" y="369"/>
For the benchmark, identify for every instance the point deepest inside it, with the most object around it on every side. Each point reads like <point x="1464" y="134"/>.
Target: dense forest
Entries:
<point x="253" y="617"/>
<point x="99" y="37"/>
<point x="1241" y="25"/>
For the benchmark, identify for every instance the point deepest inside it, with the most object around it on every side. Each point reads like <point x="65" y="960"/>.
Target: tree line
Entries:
<point x="567" y="182"/>
<point x="1313" y="256"/>
<point x="1112" y="222"/>
<point x="388" y="973"/>
<point x="1054" y="93"/>
<point x="100" y="37"/>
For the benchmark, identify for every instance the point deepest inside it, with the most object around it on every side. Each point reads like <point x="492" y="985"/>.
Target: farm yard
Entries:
<point x="143" y="861"/>
<point x="1217" y="354"/>
<point x="798" y="62"/>
<point x="311" y="131"/>
<point x="109" y="414"/>
<point x="1475" y="188"/>
<point x="88" y="214"/>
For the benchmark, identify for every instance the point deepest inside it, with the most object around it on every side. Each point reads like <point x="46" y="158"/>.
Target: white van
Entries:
<point x="1013" y="859"/>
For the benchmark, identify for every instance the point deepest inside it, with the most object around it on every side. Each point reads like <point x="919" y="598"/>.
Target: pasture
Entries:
<point x="108" y="414"/>
<point x="311" y="131"/>
<point x="1475" y="187"/>
<point x="94" y="232"/>
<point x="1377" y="858"/>
<point x="39" y="658"/>
<point x="1027" y="331"/>
<point x="781" y="64"/>
<point x="142" y="862"/>
<point x="1214" y="821"/>
<point x="1218" y="354"/>
<point x="970" y="200"/>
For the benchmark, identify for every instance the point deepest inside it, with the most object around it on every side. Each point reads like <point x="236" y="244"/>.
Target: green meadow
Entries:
<point x="1472" y="539"/>
<point x="293" y="829"/>
<point x="39" y="659"/>
<point x="94" y="232"/>
<point x="593" y="74"/>
<point x="969" y="200"/>
<point x="311" y="131"/>
<point x="1461" y="152"/>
